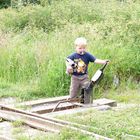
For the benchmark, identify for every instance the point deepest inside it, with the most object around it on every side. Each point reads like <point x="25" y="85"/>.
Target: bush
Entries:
<point x="38" y="39"/>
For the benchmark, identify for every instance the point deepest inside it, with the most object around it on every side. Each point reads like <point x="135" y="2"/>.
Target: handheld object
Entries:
<point x="70" y="63"/>
<point x="98" y="75"/>
<point x="94" y="80"/>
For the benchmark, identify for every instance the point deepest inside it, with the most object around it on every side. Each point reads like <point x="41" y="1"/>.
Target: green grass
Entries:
<point x="119" y="125"/>
<point x="22" y="92"/>
<point x="113" y="124"/>
<point x="124" y="95"/>
<point x="37" y="39"/>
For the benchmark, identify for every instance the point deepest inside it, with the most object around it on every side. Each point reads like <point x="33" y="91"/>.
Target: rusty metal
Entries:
<point x="44" y="101"/>
<point x="50" y="124"/>
<point x="67" y="100"/>
<point x="42" y="123"/>
<point x="65" y="105"/>
<point x="49" y="110"/>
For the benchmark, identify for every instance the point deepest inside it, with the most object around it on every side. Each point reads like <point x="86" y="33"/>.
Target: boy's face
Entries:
<point x="80" y="49"/>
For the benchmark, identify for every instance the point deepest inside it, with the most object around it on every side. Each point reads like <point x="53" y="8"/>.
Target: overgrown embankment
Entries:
<point x="35" y="40"/>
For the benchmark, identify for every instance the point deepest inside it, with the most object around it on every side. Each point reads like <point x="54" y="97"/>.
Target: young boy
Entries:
<point x="79" y="70"/>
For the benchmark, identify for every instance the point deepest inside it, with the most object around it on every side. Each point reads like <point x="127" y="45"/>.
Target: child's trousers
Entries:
<point x="77" y="83"/>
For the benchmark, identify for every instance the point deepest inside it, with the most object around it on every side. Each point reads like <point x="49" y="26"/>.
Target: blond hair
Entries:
<point x="80" y="41"/>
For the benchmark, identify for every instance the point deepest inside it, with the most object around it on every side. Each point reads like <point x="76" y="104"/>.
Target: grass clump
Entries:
<point x="17" y="123"/>
<point x="36" y="39"/>
<point x="113" y="124"/>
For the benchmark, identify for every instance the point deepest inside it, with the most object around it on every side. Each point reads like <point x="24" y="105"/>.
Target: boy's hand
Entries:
<point x="107" y="61"/>
<point x="69" y="70"/>
<point x="100" y="61"/>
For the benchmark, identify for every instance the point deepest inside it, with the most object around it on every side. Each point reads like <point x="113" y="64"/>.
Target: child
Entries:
<point x="81" y="59"/>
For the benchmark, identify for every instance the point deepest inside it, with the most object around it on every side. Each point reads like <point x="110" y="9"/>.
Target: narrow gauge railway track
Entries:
<point x="56" y="106"/>
<point x="63" y="103"/>
<point x="44" y="123"/>
<point x="44" y="101"/>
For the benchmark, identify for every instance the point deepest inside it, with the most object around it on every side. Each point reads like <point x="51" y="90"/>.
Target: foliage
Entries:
<point x="113" y="124"/>
<point x="36" y="39"/>
<point x="4" y="3"/>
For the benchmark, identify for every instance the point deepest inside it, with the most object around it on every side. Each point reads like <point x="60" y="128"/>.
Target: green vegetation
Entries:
<point x="112" y="124"/>
<point x="37" y="35"/>
<point x="116" y="124"/>
<point x="35" y="40"/>
<point x="63" y="136"/>
<point x="17" y="123"/>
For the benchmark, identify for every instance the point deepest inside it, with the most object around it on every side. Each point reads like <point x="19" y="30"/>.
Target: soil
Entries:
<point x="10" y="132"/>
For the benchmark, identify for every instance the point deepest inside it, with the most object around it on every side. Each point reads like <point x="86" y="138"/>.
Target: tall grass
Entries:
<point x="37" y="39"/>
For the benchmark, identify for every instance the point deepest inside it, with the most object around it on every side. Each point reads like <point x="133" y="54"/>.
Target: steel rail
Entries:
<point x="54" y="107"/>
<point x="50" y="109"/>
<point x="44" y="101"/>
<point x="42" y="123"/>
<point x="67" y="100"/>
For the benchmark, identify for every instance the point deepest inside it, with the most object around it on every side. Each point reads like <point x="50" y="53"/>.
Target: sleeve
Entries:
<point x="91" y="57"/>
<point x="71" y="56"/>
